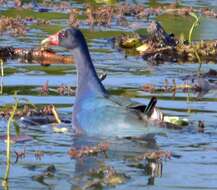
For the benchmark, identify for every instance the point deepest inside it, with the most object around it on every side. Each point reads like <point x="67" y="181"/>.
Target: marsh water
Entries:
<point x="194" y="168"/>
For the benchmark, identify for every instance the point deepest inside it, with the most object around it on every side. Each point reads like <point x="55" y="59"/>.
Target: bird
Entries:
<point x="95" y="111"/>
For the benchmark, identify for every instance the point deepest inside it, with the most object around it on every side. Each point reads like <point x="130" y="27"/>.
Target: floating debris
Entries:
<point x="57" y="129"/>
<point x="42" y="56"/>
<point x="88" y="151"/>
<point x="62" y="90"/>
<point x="27" y="110"/>
<point x="102" y="176"/>
<point x="14" y="26"/>
<point x="176" y="120"/>
<point x="159" y="47"/>
<point x="129" y="41"/>
<point x="105" y="176"/>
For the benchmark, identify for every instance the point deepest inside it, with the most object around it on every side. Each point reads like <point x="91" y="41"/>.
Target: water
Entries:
<point x="196" y="167"/>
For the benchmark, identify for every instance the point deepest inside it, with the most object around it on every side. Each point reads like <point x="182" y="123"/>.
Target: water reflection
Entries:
<point x="102" y="173"/>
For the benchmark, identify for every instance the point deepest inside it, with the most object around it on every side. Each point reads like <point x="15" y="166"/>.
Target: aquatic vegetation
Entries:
<point x="73" y="18"/>
<point x="65" y="90"/>
<point x="88" y="151"/>
<point x="23" y="13"/>
<point x="40" y="55"/>
<point x="15" y="26"/>
<point x="104" y="176"/>
<point x="159" y="47"/>
<point x="170" y="88"/>
<point x="128" y="40"/>
<point x="56" y="116"/>
<point x="18" y="26"/>
<point x="99" y="16"/>
<point x="27" y="109"/>
<point x="8" y="149"/>
<point x="155" y="155"/>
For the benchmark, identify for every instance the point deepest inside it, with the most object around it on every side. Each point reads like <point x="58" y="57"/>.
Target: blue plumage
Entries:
<point x="95" y="112"/>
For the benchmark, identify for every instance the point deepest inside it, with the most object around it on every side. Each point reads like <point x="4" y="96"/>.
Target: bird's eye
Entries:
<point x="63" y="34"/>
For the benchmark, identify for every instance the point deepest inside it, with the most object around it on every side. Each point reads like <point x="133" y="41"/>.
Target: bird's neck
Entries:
<point x="88" y="83"/>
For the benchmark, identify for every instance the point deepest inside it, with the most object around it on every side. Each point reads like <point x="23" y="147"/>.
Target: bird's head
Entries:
<point x="69" y="38"/>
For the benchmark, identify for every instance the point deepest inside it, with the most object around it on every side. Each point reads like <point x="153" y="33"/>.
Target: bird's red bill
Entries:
<point x="51" y="40"/>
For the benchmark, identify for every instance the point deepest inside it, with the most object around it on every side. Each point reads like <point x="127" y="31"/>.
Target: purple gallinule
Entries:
<point x="95" y="112"/>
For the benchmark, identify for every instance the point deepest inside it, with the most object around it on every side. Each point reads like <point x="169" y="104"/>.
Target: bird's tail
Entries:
<point x="152" y="112"/>
<point x="150" y="107"/>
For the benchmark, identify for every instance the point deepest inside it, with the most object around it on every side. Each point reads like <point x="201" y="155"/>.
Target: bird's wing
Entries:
<point x="126" y="102"/>
<point x="150" y="110"/>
